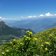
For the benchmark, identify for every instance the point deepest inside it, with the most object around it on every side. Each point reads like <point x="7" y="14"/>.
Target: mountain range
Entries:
<point x="6" y="30"/>
<point x="36" y="25"/>
<point x="7" y="33"/>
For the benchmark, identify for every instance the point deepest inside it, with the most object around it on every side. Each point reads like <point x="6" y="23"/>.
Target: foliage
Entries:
<point x="41" y="44"/>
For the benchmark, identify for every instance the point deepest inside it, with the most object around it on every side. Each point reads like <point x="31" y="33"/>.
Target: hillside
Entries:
<point x="40" y="44"/>
<point x="7" y="33"/>
<point x="6" y="30"/>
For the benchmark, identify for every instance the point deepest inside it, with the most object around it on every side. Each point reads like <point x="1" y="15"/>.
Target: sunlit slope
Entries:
<point x="40" y="44"/>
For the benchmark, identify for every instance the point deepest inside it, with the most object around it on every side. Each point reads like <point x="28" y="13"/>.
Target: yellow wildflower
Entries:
<point x="21" y="43"/>
<point x="35" y="38"/>
<point x="10" y="42"/>
<point x="30" y="32"/>
<point x="50" y="35"/>
<point x="55" y="37"/>
<point x="27" y="38"/>
<point x="7" y="50"/>
<point x="3" y="53"/>
<point x="47" y="43"/>
<point x="14" y="39"/>
<point x="42" y="45"/>
<point x="46" y="49"/>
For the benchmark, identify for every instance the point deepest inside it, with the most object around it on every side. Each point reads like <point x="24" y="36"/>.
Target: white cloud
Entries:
<point x="27" y="17"/>
<point x="55" y="14"/>
<point x="0" y="17"/>
<point x="30" y="17"/>
<point x="41" y="15"/>
<point x="47" y="15"/>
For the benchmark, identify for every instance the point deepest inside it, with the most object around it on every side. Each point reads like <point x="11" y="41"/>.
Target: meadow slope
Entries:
<point x="40" y="44"/>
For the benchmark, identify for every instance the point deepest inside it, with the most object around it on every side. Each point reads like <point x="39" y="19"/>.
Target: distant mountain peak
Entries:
<point x="1" y="20"/>
<point x="7" y="30"/>
<point x="2" y="24"/>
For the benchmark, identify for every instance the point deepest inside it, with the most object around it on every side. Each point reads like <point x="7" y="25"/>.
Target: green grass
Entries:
<point x="40" y="44"/>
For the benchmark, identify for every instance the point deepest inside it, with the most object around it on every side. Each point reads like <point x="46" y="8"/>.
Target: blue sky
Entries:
<point x="26" y="8"/>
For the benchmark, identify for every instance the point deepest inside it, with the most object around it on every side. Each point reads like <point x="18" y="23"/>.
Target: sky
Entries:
<point x="24" y="9"/>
